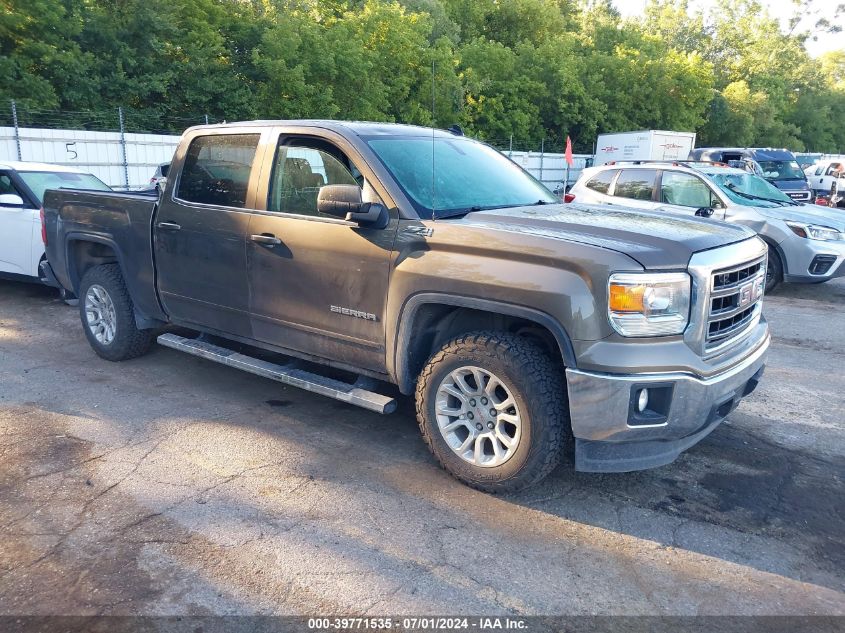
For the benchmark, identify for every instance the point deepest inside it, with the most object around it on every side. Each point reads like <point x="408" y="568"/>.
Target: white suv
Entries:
<point x="806" y="242"/>
<point x="22" y="186"/>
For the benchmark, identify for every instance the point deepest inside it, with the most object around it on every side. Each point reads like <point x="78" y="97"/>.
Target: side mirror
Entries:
<point x="344" y="201"/>
<point x="10" y="200"/>
<point x="704" y="212"/>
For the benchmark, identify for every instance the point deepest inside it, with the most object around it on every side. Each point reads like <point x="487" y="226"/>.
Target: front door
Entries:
<point x="200" y="234"/>
<point x="318" y="284"/>
<point x="19" y="225"/>
<point x="684" y="194"/>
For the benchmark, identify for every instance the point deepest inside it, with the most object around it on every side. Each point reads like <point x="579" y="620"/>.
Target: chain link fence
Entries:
<point x="124" y="146"/>
<point x="125" y="119"/>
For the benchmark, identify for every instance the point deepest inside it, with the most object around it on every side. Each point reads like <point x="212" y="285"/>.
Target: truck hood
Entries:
<point x="807" y="214"/>
<point x="656" y="240"/>
<point x="791" y="185"/>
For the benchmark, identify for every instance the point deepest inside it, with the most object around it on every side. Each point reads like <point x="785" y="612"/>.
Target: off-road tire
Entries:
<point x="536" y="383"/>
<point x="129" y="341"/>
<point x="774" y="272"/>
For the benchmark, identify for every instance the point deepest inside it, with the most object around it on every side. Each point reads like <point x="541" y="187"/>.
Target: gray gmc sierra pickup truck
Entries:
<point x="339" y="257"/>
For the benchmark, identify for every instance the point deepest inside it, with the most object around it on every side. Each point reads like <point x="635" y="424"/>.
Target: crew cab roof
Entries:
<point x="359" y="128"/>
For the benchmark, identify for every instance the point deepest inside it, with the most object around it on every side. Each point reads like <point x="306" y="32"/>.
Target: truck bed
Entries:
<point x="121" y="222"/>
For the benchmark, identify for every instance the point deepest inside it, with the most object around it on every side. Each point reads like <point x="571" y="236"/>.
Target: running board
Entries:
<point x="288" y="374"/>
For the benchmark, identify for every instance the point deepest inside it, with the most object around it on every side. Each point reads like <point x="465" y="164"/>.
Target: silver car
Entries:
<point x="806" y="242"/>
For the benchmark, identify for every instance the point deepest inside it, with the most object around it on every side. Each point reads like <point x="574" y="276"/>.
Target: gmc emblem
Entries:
<point x="746" y="295"/>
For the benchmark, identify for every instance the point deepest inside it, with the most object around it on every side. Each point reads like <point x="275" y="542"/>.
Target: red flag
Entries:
<point x="568" y="153"/>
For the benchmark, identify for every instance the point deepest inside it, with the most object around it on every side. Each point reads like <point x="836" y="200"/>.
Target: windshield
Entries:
<point x="781" y="170"/>
<point x="41" y="181"/>
<point x="750" y="185"/>
<point x="468" y="175"/>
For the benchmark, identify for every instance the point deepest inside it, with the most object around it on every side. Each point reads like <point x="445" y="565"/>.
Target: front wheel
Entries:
<point x="774" y="270"/>
<point x="108" y="316"/>
<point x="492" y="408"/>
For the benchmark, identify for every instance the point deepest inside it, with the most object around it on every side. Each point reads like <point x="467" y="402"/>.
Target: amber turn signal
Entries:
<point x="625" y="298"/>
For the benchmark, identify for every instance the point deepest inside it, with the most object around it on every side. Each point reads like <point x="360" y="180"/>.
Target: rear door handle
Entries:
<point x="168" y="226"/>
<point x="266" y="239"/>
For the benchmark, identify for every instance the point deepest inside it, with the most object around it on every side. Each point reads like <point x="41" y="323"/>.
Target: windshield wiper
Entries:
<point x="453" y="213"/>
<point x="750" y="196"/>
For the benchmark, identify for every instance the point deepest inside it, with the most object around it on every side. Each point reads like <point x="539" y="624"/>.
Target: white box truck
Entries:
<point x="644" y="145"/>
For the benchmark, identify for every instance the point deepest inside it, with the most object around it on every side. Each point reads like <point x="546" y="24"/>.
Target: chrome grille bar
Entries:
<point x="734" y="303"/>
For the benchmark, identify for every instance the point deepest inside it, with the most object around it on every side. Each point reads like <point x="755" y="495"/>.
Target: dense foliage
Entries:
<point x="527" y="69"/>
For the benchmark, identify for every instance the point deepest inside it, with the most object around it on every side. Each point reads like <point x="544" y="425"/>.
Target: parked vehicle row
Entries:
<point x="379" y="253"/>
<point x="806" y="243"/>
<point x="778" y="166"/>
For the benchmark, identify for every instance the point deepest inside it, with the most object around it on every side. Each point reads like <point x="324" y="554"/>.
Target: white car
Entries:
<point x="22" y="187"/>
<point x="806" y="242"/>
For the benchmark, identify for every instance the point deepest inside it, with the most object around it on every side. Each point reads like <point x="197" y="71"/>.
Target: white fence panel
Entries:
<point x="99" y="153"/>
<point x="549" y="168"/>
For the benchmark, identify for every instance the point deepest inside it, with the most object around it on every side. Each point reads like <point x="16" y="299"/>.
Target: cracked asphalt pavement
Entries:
<point x="172" y="485"/>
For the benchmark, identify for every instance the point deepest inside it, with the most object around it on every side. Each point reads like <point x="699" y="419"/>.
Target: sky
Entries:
<point x="780" y="9"/>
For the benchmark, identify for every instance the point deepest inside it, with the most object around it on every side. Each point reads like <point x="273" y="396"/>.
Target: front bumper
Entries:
<point x="804" y="255"/>
<point x="609" y="437"/>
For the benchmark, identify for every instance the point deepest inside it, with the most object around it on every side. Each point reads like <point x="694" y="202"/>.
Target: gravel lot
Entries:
<point x="171" y="485"/>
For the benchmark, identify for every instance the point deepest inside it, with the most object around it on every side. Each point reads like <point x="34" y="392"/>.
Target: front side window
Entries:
<point x="217" y="168"/>
<point x="452" y="176"/>
<point x="637" y="184"/>
<point x="685" y="190"/>
<point x="298" y="174"/>
<point x="601" y="181"/>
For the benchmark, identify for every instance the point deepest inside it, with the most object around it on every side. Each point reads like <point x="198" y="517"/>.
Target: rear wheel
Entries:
<point x="774" y="270"/>
<point x="492" y="408"/>
<point x="108" y="316"/>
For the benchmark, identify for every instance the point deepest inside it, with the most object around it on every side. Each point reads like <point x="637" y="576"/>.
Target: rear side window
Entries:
<point x="637" y="184"/>
<point x="601" y="181"/>
<point x="216" y="169"/>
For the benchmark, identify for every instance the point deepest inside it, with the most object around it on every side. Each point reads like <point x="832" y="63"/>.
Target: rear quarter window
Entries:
<point x="601" y="181"/>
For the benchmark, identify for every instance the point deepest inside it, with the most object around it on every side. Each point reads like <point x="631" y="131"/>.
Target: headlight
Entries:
<point x="814" y="232"/>
<point x="648" y="304"/>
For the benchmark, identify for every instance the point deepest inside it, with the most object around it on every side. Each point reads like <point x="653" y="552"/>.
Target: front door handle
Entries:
<point x="168" y="226"/>
<point x="266" y="239"/>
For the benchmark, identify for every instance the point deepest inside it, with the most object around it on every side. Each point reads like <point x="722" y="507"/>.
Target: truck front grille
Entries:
<point x="734" y="303"/>
<point x="801" y="196"/>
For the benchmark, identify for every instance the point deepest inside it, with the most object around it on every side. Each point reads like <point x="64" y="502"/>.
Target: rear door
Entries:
<point x="321" y="288"/>
<point x="200" y="231"/>
<point x="685" y="193"/>
<point x="635" y="188"/>
<point x="19" y="225"/>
